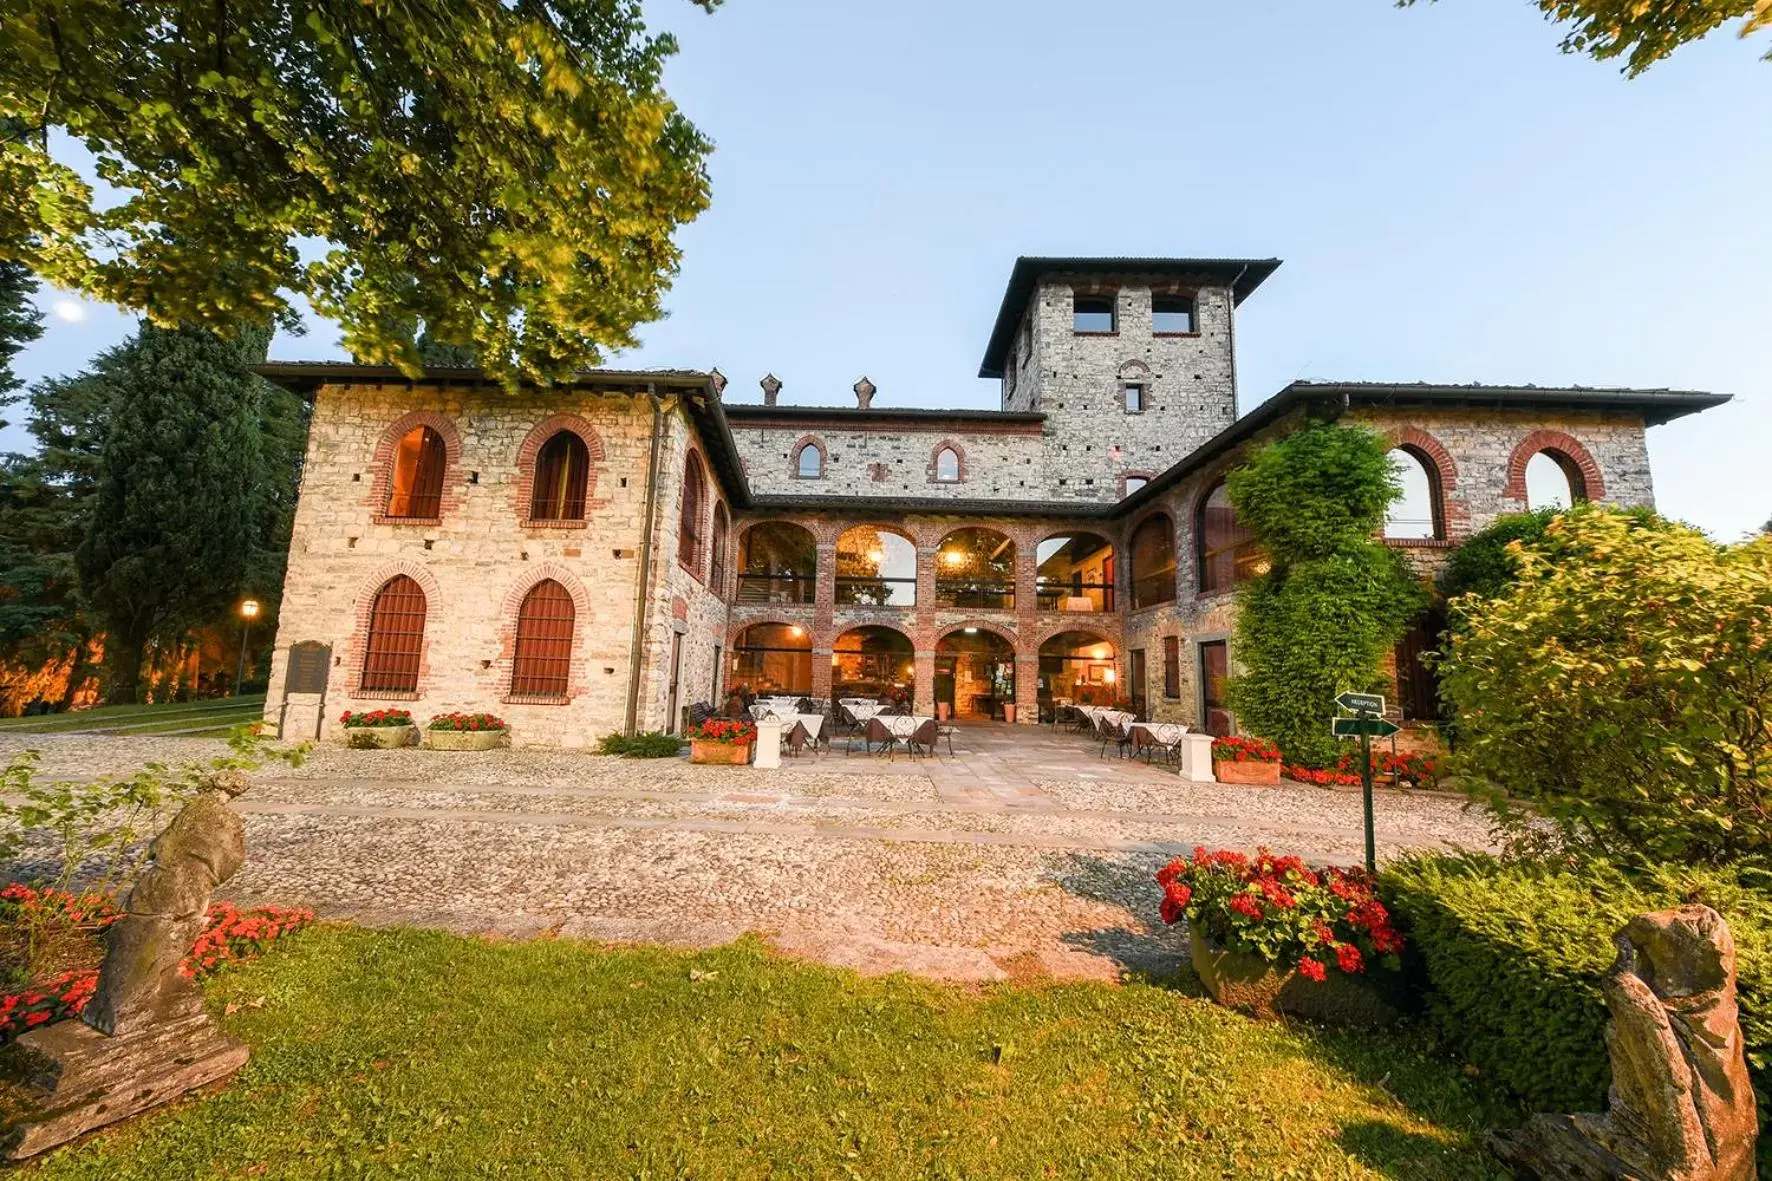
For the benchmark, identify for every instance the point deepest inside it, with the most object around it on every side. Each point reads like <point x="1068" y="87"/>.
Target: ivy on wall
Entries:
<point x="1334" y="599"/>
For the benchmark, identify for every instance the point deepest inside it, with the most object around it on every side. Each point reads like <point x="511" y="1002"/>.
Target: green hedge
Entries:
<point x="653" y="744"/>
<point x="1512" y="953"/>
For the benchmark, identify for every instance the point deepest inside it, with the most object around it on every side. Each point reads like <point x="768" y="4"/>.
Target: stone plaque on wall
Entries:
<point x="310" y="663"/>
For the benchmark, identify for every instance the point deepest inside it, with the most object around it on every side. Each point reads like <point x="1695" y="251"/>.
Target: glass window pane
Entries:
<point x="1411" y="515"/>
<point x="947" y="464"/>
<point x="1547" y="483"/>
<point x="811" y="462"/>
<point x="1172" y="313"/>
<point x="1134" y="483"/>
<point x="1092" y="313"/>
<point x="1133" y="396"/>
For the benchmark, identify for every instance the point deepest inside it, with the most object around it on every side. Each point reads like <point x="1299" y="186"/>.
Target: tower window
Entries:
<point x="1134" y="483"/>
<point x="1132" y="395"/>
<point x="1172" y="315"/>
<point x="1092" y="313"/>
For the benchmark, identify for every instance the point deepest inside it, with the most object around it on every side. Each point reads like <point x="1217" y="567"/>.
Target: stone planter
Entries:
<point x="1245" y="771"/>
<point x="464" y="739"/>
<point x="1239" y="980"/>
<point x="379" y="737"/>
<point x="735" y="754"/>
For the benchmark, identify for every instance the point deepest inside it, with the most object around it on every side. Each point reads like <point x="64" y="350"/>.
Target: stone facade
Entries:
<point x="1039" y="582"/>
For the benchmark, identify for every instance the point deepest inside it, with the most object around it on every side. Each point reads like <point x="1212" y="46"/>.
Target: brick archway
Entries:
<point x="1451" y="517"/>
<point x="1593" y="484"/>
<point x="530" y="448"/>
<point x="507" y="627"/>
<point x="357" y="648"/>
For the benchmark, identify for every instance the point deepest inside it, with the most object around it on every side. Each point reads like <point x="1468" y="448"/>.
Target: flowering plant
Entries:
<point x="1280" y="909"/>
<point x="1320" y="776"/>
<point x="1412" y="769"/>
<point x="375" y="717"/>
<point x="1237" y="749"/>
<point x="21" y="904"/>
<point x="724" y="730"/>
<point x="467" y="722"/>
<point x="228" y="934"/>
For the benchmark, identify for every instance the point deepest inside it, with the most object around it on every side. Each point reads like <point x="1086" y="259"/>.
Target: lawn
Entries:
<point x="215" y="716"/>
<point x="412" y="1053"/>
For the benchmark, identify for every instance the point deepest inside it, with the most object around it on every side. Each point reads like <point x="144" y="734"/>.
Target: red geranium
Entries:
<point x="1280" y="909"/>
<point x="724" y="730"/>
<point x="1239" y="749"/>
<point x="472" y="723"/>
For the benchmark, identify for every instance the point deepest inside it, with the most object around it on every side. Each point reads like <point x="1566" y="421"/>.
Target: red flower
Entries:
<point x="1348" y="959"/>
<point x="1312" y="969"/>
<point x="1246" y="906"/>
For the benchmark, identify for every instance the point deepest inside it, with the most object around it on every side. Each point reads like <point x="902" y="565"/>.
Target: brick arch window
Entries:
<point x="717" y="550"/>
<point x="948" y="464"/>
<point x="809" y="460"/>
<point x="692" y="524"/>
<point x="1552" y="467"/>
<point x="1419" y="514"/>
<point x="396" y="637"/>
<point x="562" y="470"/>
<point x="542" y="665"/>
<point x="1225" y="552"/>
<point x="415" y="478"/>
<point x="1153" y="561"/>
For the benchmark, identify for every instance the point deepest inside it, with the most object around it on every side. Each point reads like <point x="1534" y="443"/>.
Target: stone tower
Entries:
<point x="1130" y="359"/>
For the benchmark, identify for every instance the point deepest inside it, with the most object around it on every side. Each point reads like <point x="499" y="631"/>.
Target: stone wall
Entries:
<point x="1076" y="379"/>
<point x="894" y="459"/>
<point x="480" y="557"/>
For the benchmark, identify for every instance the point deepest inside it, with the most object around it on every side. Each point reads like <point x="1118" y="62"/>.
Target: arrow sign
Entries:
<point x="1360" y="703"/>
<point x="1354" y="727"/>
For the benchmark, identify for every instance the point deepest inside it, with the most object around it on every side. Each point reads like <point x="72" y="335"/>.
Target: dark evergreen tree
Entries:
<point x="180" y="504"/>
<point x="20" y="324"/>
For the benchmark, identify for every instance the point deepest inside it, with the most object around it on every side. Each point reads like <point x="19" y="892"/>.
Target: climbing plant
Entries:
<point x="1333" y="600"/>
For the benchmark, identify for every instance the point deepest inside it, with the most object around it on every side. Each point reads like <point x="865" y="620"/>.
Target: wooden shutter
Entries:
<point x="543" y="663"/>
<point x="415" y="490"/>
<point x="396" y="637"/>
<point x="1172" y="666"/>
<point x="561" y="471"/>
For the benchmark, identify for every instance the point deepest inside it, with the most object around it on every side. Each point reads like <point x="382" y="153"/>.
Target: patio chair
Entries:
<point x="797" y="739"/>
<point x="1162" y="736"/>
<point x="1110" y="730"/>
<point x="923" y="740"/>
<point x="877" y="732"/>
<point x="946" y="734"/>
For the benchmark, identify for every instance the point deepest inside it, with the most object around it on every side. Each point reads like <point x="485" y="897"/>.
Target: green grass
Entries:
<point x="409" y="1053"/>
<point x="209" y="716"/>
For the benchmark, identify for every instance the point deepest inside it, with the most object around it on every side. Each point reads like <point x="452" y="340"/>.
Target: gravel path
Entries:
<point x="1038" y="860"/>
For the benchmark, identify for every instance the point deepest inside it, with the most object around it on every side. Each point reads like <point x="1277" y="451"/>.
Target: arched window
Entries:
<point x="691" y="539"/>
<point x="542" y="665"/>
<point x="1153" y="562"/>
<point x="1553" y="481"/>
<point x="717" y="559"/>
<point x="396" y="637"/>
<point x="1415" y="515"/>
<point x="975" y="568"/>
<point x="947" y="465"/>
<point x="777" y="563"/>
<point x="809" y="462"/>
<point x="1227" y="551"/>
<point x="875" y="568"/>
<point x="560" y="478"/>
<point x="415" y="491"/>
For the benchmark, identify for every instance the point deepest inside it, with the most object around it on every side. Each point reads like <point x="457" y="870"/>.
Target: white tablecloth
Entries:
<point x="1163" y="733"/>
<point x="861" y="711"/>
<point x="814" y="723"/>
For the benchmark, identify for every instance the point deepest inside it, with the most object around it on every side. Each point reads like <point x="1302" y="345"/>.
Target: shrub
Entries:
<point x="1239" y="749"/>
<point x="1485" y="564"/>
<point x="1320" y="776"/>
<point x="1281" y="910"/>
<point x="1334" y="601"/>
<point x="651" y="745"/>
<point x="470" y="722"/>
<point x="1513" y="952"/>
<point x="1621" y="688"/>
<point x="724" y="730"/>
<point x="375" y="717"/>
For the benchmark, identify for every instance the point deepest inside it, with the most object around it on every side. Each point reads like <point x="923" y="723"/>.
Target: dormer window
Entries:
<point x="1132" y="397"/>
<point x="1092" y="314"/>
<point x="1172" y="315"/>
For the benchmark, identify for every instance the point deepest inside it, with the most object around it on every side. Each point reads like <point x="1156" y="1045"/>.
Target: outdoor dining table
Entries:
<point x="1167" y="735"/>
<point x="861" y="711"/>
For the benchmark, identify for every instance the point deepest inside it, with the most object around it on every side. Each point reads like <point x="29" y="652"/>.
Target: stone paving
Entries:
<point x="1025" y="854"/>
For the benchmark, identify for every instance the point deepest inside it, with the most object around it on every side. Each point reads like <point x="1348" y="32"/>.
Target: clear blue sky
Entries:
<point x="1454" y="200"/>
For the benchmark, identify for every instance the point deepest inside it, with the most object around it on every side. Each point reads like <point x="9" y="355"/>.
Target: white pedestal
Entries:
<point x="1196" y="758"/>
<point x="769" y="743"/>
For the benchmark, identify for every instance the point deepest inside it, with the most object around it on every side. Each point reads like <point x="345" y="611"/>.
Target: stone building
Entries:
<point x="599" y="554"/>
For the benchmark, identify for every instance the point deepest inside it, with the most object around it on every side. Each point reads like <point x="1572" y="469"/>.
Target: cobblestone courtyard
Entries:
<point x="1024" y="854"/>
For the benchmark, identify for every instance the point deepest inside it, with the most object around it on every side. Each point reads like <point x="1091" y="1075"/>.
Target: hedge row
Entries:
<point x="1513" y="953"/>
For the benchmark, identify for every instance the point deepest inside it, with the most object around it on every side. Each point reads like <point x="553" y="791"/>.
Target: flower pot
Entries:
<point x="1009" y="714"/>
<point x="943" y="711"/>
<point x="464" y="739"/>
<point x="1242" y="980"/>
<point x="1245" y="771"/>
<point x="379" y="737"/>
<point x="724" y="753"/>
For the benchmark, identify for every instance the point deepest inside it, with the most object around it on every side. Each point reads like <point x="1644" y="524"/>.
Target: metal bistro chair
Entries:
<point x="877" y="732"/>
<point x="923" y="741"/>
<point x="1109" y="728"/>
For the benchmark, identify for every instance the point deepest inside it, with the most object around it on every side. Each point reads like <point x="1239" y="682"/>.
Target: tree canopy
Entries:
<point x="1644" y="32"/>
<point x="508" y="174"/>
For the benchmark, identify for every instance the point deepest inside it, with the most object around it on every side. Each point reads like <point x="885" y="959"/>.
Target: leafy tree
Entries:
<point x="1333" y="601"/>
<point x="1486" y="564"/>
<point x="20" y="324"/>
<point x="507" y="173"/>
<point x="179" y="504"/>
<point x="434" y="354"/>
<point x="1644" y="32"/>
<point x="1622" y="688"/>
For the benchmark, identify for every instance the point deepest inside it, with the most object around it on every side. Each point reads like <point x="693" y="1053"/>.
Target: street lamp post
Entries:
<point x="248" y="612"/>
